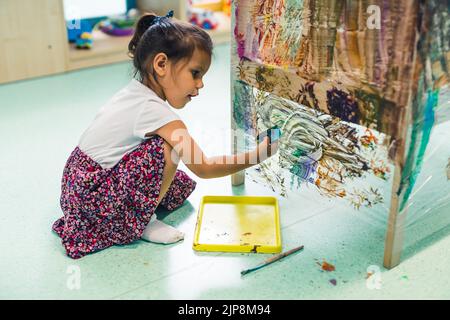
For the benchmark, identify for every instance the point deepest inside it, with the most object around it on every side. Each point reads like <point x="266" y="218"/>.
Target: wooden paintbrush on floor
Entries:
<point x="271" y="260"/>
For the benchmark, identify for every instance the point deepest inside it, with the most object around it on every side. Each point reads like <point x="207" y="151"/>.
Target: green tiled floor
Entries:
<point x="40" y="123"/>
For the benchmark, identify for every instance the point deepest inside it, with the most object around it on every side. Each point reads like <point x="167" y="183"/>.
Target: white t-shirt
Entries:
<point x="121" y="124"/>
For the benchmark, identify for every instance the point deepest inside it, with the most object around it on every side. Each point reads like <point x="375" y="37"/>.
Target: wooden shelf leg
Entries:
<point x="238" y="179"/>
<point x="395" y="228"/>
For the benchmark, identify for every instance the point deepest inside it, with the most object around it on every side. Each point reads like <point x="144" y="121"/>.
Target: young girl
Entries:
<point x="125" y="164"/>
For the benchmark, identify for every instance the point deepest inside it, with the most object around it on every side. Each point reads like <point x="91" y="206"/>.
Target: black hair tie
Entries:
<point x="159" y="18"/>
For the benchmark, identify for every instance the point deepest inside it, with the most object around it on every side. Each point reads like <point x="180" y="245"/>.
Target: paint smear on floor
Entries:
<point x="325" y="266"/>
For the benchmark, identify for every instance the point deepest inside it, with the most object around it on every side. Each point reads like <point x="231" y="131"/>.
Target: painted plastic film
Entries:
<point x="360" y="90"/>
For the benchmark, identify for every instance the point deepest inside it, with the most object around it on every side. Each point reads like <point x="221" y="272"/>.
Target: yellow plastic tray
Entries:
<point x="238" y="224"/>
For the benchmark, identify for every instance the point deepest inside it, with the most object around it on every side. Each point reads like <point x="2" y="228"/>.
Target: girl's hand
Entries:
<point x="266" y="149"/>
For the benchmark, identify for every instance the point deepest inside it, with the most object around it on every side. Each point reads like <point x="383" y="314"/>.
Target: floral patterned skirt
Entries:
<point x="104" y="207"/>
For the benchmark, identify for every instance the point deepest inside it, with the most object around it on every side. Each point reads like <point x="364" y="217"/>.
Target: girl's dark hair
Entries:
<point x="177" y="39"/>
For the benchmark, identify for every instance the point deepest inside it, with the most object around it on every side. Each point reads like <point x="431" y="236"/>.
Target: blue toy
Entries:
<point x="74" y="33"/>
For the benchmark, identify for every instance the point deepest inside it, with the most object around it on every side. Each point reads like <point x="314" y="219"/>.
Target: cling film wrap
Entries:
<point x="360" y="90"/>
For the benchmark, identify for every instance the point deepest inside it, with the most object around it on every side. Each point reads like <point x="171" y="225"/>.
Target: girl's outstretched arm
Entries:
<point x="185" y="148"/>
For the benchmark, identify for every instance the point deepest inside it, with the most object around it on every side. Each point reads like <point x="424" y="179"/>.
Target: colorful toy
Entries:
<point x="203" y="18"/>
<point x="84" y="41"/>
<point x="120" y="25"/>
<point x="114" y="29"/>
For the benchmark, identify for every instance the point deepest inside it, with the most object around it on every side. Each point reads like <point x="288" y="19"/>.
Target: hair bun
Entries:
<point x="145" y="22"/>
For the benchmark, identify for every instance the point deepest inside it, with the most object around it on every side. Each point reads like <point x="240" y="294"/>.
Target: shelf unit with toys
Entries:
<point x="47" y="51"/>
<point x="109" y="49"/>
<point x="220" y="10"/>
